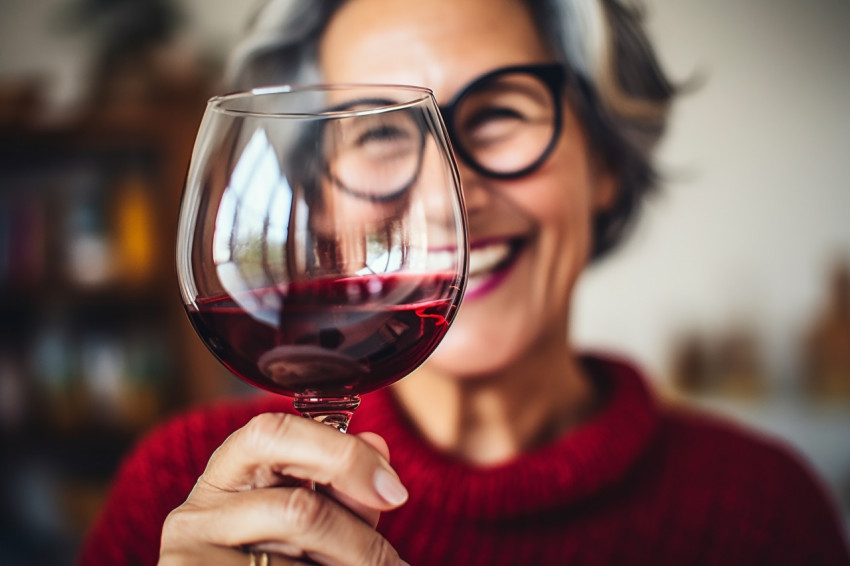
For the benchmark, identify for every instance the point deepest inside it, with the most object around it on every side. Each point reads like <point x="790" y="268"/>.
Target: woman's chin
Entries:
<point x="469" y="351"/>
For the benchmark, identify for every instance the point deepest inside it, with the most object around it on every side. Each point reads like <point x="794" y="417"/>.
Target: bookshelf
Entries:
<point x="94" y="346"/>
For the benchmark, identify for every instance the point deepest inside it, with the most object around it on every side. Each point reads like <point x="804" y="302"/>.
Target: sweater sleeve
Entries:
<point x="154" y="479"/>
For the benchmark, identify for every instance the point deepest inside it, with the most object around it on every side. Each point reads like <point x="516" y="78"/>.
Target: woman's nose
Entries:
<point x="491" y="205"/>
<point x="477" y="194"/>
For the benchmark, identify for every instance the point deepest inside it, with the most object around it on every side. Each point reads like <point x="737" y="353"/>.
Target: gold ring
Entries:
<point x="259" y="559"/>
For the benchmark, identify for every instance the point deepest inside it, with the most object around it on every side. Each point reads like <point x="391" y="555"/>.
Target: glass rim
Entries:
<point x="219" y="102"/>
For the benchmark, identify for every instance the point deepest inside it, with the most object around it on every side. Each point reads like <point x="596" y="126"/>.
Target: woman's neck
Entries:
<point x="490" y="419"/>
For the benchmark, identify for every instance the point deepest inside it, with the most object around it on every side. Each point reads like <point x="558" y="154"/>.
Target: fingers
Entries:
<point x="274" y="445"/>
<point x="222" y="556"/>
<point x="368" y="514"/>
<point x="241" y="499"/>
<point x="295" y="521"/>
<point x="170" y="556"/>
<point x="377" y="442"/>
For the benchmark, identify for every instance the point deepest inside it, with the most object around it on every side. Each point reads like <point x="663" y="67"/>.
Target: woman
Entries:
<point x="507" y="446"/>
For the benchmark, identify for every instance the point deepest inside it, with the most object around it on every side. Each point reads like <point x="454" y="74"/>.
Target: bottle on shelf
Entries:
<point x="827" y="346"/>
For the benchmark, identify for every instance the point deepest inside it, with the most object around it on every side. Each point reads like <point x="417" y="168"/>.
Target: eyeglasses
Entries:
<point x="504" y="124"/>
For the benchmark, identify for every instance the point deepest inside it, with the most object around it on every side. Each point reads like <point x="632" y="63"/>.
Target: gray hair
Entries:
<point x="623" y="97"/>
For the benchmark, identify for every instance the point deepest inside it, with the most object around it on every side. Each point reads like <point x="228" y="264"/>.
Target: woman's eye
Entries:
<point x="491" y="114"/>
<point x="382" y="134"/>
<point x="385" y="142"/>
<point x="492" y="125"/>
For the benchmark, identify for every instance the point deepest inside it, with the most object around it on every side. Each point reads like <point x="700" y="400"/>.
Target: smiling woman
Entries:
<point x="508" y="447"/>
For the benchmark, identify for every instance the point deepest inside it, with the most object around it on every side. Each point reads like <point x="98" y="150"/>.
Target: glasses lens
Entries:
<point x="506" y="124"/>
<point x="375" y="156"/>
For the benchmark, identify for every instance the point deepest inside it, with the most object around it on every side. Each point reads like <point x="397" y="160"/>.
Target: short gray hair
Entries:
<point x="623" y="98"/>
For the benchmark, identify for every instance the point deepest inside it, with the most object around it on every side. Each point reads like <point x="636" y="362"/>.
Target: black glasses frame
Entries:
<point x="553" y="75"/>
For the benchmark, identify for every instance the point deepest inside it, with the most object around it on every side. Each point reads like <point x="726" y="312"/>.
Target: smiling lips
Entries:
<point x="490" y="261"/>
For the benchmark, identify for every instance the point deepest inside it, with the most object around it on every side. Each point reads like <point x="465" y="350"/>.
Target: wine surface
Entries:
<point x="329" y="337"/>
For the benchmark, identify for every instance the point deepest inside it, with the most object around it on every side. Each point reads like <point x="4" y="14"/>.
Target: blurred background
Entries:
<point x="733" y="293"/>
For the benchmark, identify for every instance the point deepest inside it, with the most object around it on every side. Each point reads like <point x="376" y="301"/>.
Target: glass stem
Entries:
<point x="335" y="412"/>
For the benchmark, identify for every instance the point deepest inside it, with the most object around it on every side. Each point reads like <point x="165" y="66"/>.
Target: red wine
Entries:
<point x="329" y="337"/>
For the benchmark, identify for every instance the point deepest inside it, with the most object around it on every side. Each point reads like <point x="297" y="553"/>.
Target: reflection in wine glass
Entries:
<point x="311" y="366"/>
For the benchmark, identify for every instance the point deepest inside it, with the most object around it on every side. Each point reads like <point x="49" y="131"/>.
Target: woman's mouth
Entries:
<point x="490" y="261"/>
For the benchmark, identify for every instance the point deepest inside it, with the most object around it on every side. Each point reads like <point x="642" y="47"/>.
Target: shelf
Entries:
<point x="95" y="348"/>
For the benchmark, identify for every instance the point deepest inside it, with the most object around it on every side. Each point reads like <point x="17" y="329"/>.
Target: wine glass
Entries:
<point x="322" y="245"/>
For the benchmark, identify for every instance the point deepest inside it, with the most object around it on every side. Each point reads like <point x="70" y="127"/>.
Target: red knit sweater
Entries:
<point x="637" y="484"/>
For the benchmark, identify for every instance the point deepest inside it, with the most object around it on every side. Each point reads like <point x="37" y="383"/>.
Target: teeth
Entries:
<point x="439" y="261"/>
<point x="486" y="258"/>
<point x="481" y="260"/>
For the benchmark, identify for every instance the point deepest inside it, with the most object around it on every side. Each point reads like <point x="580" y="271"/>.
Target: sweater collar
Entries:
<point x="582" y="463"/>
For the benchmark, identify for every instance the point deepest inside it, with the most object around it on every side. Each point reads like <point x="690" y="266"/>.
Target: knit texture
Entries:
<point x="637" y="484"/>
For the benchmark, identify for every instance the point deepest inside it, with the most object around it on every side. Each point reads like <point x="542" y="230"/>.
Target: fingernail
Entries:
<point x="389" y="487"/>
